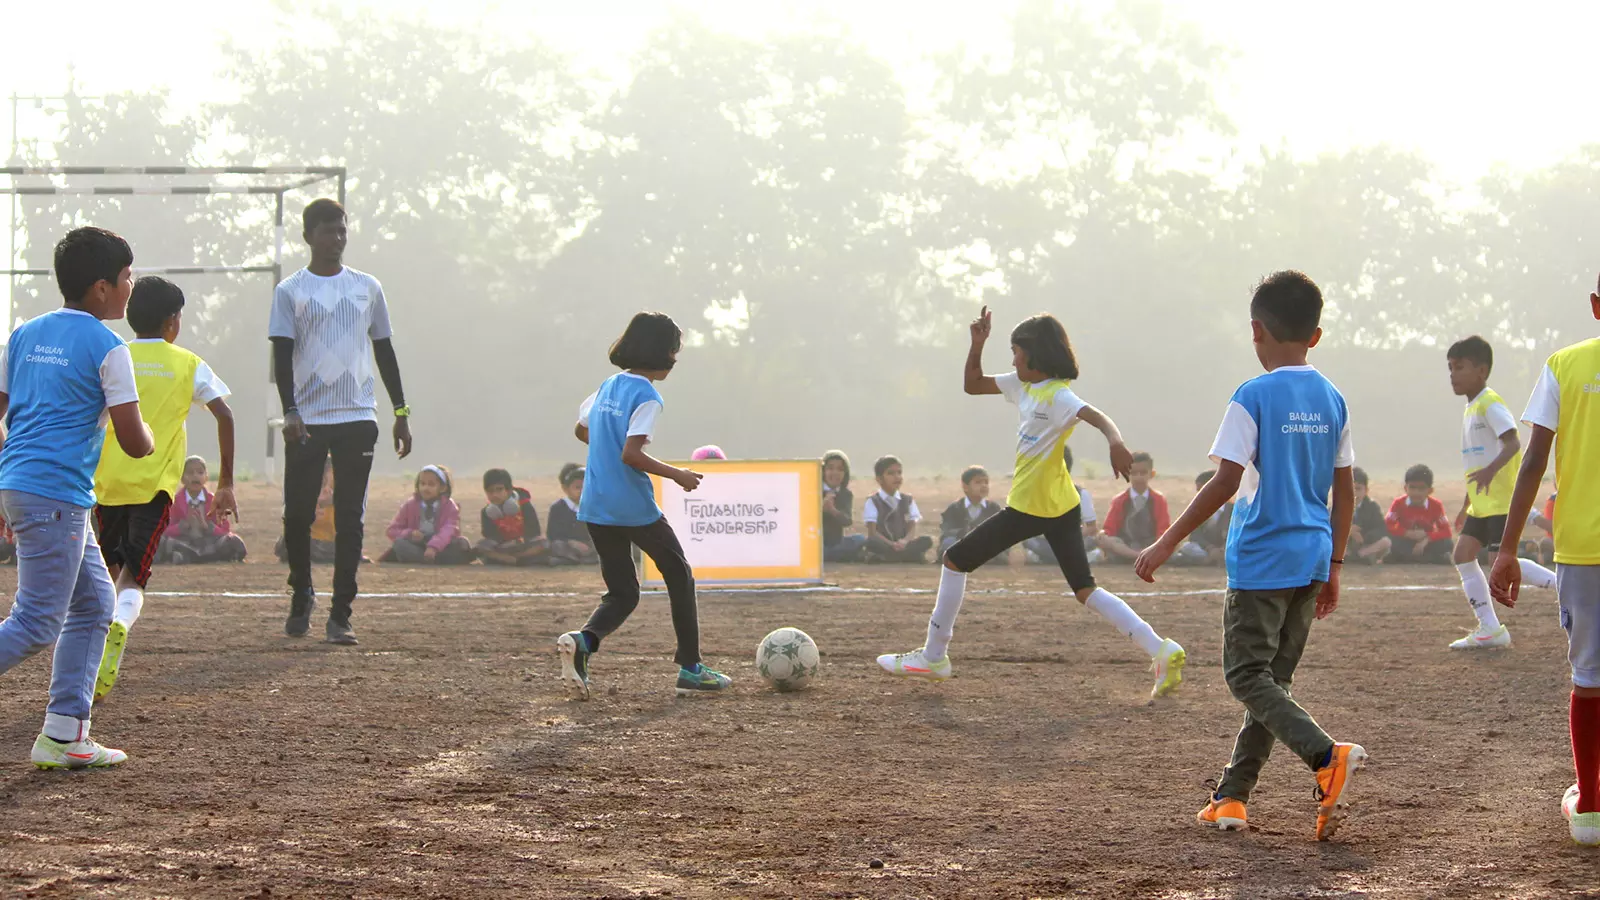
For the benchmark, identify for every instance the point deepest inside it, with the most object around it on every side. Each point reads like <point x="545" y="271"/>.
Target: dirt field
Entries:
<point x="439" y="758"/>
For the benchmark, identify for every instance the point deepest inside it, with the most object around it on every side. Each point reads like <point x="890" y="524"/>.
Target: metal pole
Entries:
<point x="341" y="187"/>
<point x="273" y="415"/>
<point x="11" y="281"/>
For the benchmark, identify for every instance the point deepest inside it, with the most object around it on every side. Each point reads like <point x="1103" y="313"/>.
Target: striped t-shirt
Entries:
<point x="333" y="321"/>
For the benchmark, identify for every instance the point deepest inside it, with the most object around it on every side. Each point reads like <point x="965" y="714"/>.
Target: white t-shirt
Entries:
<point x="1481" y="429"/>
<point x="1048" y="411"/>
<point x="1086" y="505"/>
<point x="870" y="513"/>
<point x="333" y="321"/>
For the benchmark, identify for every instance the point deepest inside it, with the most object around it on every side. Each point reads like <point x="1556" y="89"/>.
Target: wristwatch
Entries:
<point x="402" y="412"/>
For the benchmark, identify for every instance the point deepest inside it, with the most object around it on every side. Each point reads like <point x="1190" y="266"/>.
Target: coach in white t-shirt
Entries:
<point x="329" y="325"/>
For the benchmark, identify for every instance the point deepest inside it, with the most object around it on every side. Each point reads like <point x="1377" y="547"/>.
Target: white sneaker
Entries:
<point x="1584" y="827"/>
<point x="1484" y="639"/>
<point x="1168" y="666"/>
<point x="916" y="665"/>
<point x="84" y="754"/>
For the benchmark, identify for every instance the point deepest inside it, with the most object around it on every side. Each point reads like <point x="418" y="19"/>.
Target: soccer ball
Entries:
<point x="788" y="659"/>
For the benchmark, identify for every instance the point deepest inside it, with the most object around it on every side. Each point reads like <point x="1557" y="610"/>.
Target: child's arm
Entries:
<point x="1217" y="491"/>
<point x="1164" y="516"/>
<point x="398" y="526"/>
<point x="1344" y="501"/>
<point x="1510" y="446"/>
<point x="1121" y="457"/>
<point x="1397" y="527"/>
<point x="973" y="380"/>
<point x="1505" y="579"/>
<point x="490" y="532"/>
<point x="633" y="455"/>
<point x="1441" y="525"/>
<point x="224" y="503"/>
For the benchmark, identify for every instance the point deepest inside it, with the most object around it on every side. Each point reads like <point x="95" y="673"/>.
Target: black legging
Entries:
<point x="614" y="544"/>
<point x="1009" y="527"/>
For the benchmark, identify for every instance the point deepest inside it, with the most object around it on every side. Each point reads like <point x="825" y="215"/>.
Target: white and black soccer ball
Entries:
<point x="788" y="659"/>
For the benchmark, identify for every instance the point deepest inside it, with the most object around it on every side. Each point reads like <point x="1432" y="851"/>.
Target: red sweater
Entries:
<point x="1122" y="504"/>
<point x="1403" y="517"/>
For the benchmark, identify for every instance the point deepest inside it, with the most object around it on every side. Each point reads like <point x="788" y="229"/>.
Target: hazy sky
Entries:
<point x="1515" y="84"/>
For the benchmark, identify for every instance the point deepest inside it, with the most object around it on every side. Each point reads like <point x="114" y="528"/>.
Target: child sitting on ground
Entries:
<point x="195" y="533"/>
<point x="322" y="533"/>
<point x="1418" y="527"/>
<point x="1038" y="548"/>
<point x="8" y="543"/>
<point x="1542" y="550"/>
<point x="569" y="538"/>
<point x="1138" y="515"/>
<point x="891" y="518"/>
<point x="838" y="511"/>
<point x="510" y="524"/>
<point x="1208" y="544"/>
<point x="970" y="511"/>
<point x="427" y="527"/>
<point x="1369" y="534"/>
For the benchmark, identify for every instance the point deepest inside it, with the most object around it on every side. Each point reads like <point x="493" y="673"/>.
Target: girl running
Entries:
<point x="1043" y="500"/>
<point x="619" y="506"/>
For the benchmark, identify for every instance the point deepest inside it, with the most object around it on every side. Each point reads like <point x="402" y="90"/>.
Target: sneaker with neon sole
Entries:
<point x="1484" y="639"/>
<point x="704" y="680"/>
<point x="573" y="647"/>
<point x="1223" y="814"/>
<point x="1168" y="666"/>
<point x="1584" y="827"/>
<point x="84" y="754"/>
<point x="1333" y="787"/>
<point x="110" y="660"/>
<point x="916" y="665"/>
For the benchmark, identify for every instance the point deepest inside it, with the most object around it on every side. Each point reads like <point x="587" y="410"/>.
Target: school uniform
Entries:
<point x="837" y="546"/>
<point x="893" y="514"/>
<point x="569" y="539"/>
<point x="208" y="541"/>
<point x="439" y="523"/>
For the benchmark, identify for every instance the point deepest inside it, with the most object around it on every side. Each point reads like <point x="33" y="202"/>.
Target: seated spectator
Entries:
<point x="510" y="524"/>
<point x="1542" y="550"/>
<point x="1137" y="516"/>
<point x="427" y="528"/>
<point x="1038" y="549"/>
<point x="891" y="518"/>
<point x="1208" y="545"/>
<point x="1369" y="533"/>
<point x="195" y="533"/>
<point x="838" y="511"/>
<point x="322" y="532"/>
<point x="569" y="538"/>
<point x="1418" y="527"/>
<point x="970" y="511"/>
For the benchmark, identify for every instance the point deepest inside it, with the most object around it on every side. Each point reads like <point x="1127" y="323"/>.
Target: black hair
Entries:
<point x="883" y="464"/>
<point x="839" y="455"/>
<point x="569" y="473"/>
<point x="1289" y="305"/>
<point x="154" y="301"/>
<point x="1359" y="475"/>
<point x="497" y="478"/>
<point x="1066" y="454"/>
<point x="648" y="343"/>
<point x="88" y="256"/>
<point x="1204" y="478"/>
<point x="447" y="482"/>
<point x="320" y="211"/>
<point x="1474" y="350"/>
<point x="972" y="472"/>
<point x="1143" y="457"/>
<point x="1045" y="343"/>
<point x="1419" y="474"/>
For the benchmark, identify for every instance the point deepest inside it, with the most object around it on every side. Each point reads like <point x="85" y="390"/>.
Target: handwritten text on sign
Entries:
<point x="739" y="519"/>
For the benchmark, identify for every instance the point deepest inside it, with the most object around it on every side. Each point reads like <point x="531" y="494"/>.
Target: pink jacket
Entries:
<point x="180" y="514"/>
<point x="409" y="518"/>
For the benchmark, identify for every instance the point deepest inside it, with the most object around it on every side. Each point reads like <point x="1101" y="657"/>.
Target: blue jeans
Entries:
<point x="847" y="550"/>
<point x="64" y="597"/>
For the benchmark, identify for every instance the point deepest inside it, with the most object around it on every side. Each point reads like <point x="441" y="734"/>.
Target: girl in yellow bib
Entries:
<point x="1043" y="500"/>
<point x="134" y="496"/>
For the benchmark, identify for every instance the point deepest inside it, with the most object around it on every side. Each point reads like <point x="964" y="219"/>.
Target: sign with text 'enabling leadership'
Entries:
<point x="749" y="522"/>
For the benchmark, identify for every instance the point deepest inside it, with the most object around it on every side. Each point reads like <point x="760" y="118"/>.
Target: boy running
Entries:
<point x="1043" y="500"/>
<point x="1286" y="436"/>
<point x="1566" y="403"/>
<point x="136" y="494"/>
<point x="1491" y="453"/>
<point x="61" y="373"/>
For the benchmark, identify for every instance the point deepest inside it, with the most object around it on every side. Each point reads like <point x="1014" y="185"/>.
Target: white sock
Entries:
<point x="942" y="624"/>
<point x="129" y="602"/>
<point x="1477" y="589"/>
<point x="1537" y="575"/>
<point x="1125" y="619"/>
